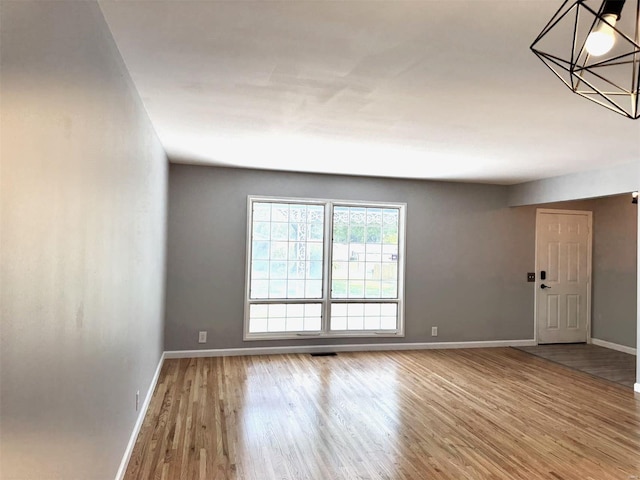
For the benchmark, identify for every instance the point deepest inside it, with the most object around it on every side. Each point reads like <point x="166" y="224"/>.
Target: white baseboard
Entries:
<point x="614" y="346"/>
<point x="368" y="347"/>
<point x="136" y="429"/>
<point x="636" y="387"/>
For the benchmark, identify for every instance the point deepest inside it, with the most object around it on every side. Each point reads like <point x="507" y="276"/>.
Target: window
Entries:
<point x="324" y="268"/>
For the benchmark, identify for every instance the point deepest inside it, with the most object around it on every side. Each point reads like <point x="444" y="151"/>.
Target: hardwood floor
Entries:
<point x="432" y="414"/>
<point x="602" y="362"/>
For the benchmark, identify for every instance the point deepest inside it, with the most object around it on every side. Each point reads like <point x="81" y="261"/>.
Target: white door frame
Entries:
<point x="589" y="216"/>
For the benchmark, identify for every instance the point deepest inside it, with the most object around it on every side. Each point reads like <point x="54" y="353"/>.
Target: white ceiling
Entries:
<point x="415" y="89"/>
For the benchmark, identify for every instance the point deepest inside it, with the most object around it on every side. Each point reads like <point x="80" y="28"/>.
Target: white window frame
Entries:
<point x="326" y="299"/>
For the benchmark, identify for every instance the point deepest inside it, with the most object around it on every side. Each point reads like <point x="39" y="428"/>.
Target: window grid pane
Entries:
<point x="286" y="251"/>
<point x="364" y="316"/>
<point x="365" y="252"/>
<point x="285" y="317"/>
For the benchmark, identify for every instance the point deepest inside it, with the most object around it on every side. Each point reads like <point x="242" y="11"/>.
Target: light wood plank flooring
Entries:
<point x="602" y="362"/>
<point x="432" y="414"/>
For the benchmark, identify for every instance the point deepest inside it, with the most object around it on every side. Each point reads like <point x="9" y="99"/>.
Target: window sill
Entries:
<point x="312" y="335"/>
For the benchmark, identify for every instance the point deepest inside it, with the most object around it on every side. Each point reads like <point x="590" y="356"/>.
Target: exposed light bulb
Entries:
<point x="602" y="38"/>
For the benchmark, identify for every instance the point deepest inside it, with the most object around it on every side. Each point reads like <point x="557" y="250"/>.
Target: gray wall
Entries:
<point x="83" y="206"/>
<point x="614" y="270"/>
<point x="598" y="183"/>
<point x="467" y="253"/>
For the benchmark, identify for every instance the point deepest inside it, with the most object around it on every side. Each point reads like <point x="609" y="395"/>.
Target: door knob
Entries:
<point x="543" y="286"/>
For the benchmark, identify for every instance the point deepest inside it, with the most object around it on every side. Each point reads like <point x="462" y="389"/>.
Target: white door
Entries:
<point x="563" y="275"/>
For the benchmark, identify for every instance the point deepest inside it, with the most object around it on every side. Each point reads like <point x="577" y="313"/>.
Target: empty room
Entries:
<point x="319" y="240"/>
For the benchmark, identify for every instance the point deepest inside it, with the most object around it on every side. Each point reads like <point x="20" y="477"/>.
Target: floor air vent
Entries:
<point x="324" y="354"/>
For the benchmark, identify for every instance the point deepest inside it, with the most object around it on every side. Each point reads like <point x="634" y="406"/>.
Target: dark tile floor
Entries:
<point x="602" y="362"/>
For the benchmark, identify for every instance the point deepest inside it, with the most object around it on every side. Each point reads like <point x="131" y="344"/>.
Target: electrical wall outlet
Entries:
<point x="202" y="337"/>
<point x="434" y="331"/>
<point x="137" y="400"/>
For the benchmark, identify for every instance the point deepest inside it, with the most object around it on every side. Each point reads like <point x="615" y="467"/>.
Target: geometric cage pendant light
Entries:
<point x="593" y="46"/>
